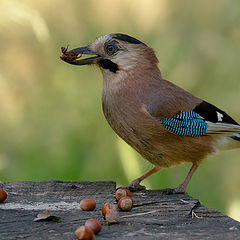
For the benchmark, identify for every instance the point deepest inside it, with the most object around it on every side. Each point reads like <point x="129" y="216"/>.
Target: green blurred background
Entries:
<point x="51" y="122"/>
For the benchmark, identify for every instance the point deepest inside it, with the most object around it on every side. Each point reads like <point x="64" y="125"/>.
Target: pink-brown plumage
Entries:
<point x="135" y="99"/>
<point x="127" y="109"/>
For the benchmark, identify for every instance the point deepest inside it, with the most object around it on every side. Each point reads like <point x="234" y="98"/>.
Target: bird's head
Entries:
<point x="114" y="53"/>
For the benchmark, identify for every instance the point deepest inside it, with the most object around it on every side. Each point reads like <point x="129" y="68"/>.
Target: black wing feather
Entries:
<point x="210" y="113"/>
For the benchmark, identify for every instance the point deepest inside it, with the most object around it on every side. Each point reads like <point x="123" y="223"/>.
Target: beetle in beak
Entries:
<point x="73" y="56"/>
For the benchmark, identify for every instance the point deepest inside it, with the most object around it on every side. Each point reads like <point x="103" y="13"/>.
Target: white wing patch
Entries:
<point x="219" y="116"/>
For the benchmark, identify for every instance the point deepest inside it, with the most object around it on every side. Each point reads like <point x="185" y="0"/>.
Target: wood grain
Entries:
<point x="172" y="217"/>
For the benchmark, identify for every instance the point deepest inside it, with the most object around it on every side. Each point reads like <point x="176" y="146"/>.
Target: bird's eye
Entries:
<point x="111" y="49"/>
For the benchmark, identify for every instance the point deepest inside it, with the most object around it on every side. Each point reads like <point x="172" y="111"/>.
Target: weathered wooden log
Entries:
<point x="168" y="216"/>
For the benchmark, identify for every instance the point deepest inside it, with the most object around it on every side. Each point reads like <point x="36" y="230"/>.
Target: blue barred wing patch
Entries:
<point x="185" y="124"/>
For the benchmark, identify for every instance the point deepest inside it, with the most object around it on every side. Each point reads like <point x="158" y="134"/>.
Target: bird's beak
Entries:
<point x="73" y="56"/>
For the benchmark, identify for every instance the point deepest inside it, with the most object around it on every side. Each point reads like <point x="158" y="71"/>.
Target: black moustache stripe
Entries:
<point x="108" y="64"/>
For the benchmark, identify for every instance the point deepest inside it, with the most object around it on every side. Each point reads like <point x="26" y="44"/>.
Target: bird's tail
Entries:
<point x="227" y="142"/>
<point x="223" y="128"/>
<point x="236" y="136"/>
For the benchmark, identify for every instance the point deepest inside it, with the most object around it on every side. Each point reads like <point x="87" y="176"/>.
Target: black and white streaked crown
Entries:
<point x="126" y="38"/>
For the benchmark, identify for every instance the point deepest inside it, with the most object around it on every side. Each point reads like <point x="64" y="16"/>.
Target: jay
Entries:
<point x="164" y="123"/>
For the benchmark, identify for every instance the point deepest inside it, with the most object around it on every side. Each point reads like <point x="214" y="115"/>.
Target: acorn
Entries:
<point x="125" y="203"/>
<point x="122" y="192"/>
<point x="3" y="195"/>
<point x="84" y="233"/>
<point x="88" y="204"/>
<point x="94" y="225"/>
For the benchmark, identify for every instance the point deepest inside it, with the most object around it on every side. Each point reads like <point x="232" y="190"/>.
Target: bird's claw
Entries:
<point x="135" y="186"/>
<point x="177" y="190"/>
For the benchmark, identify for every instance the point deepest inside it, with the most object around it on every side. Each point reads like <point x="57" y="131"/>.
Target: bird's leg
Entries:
<point x="183" y="186"/>
<point x="135" y="184"/>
